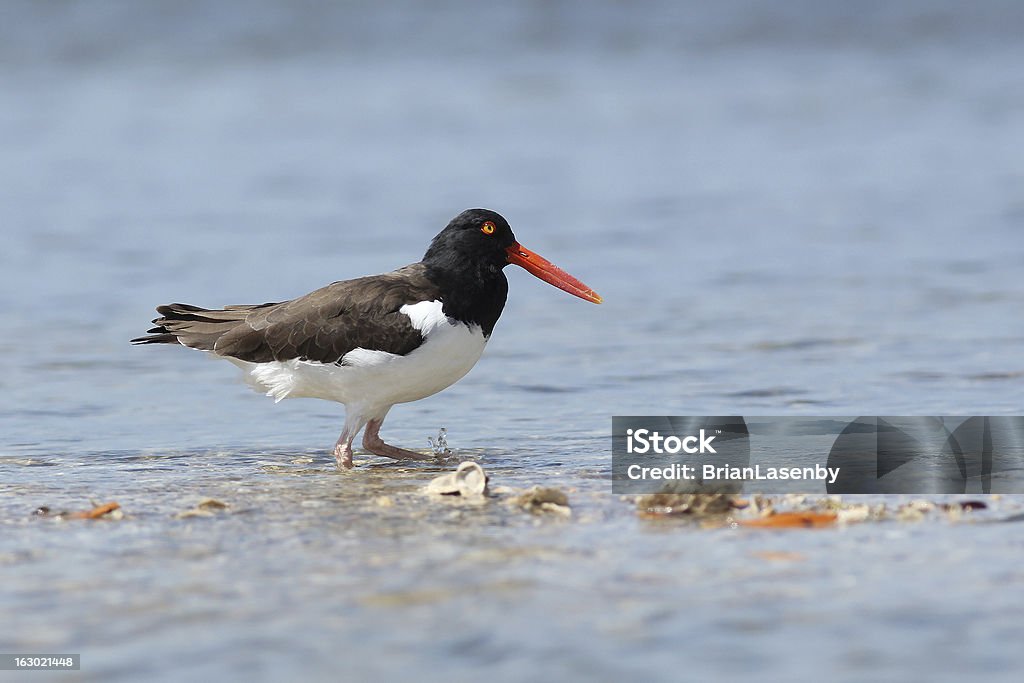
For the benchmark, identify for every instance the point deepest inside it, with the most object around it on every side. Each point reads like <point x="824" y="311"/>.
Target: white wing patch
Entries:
<point x="426" y="316"/>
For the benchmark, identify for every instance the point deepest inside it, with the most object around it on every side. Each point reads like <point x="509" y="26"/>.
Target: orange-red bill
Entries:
<point x="550" y="273"/>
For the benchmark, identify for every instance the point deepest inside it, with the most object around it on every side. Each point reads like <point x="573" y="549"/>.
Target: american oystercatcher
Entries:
<point x="375" y="341"/>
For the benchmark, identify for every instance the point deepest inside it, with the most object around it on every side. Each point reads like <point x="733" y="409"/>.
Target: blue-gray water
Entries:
<point x="807" y="208"/>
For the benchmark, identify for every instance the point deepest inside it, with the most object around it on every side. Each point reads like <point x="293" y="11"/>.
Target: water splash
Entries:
<point x="440" y="445"/>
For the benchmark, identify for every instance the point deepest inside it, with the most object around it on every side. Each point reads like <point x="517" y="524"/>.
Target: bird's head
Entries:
<point x="482" y="239"/>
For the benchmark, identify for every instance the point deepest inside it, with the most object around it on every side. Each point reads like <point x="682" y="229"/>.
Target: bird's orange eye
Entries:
<point x="487" y="228"/>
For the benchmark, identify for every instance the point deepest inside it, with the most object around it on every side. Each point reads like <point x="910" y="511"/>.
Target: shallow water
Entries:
<point x="788" y="211"/>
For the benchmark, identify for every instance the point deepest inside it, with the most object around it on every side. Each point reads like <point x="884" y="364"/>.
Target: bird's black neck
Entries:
<point x="473" y="294"/>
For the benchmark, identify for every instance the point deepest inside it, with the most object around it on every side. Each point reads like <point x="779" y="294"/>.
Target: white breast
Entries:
<point x="378" y="379"/>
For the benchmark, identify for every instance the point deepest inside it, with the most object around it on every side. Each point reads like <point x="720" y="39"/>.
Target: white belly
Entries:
<point x="377" y="379"/>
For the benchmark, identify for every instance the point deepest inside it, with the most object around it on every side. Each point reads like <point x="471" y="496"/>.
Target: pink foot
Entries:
<point x="373" y="443"/>
<point x="343" y="454"/>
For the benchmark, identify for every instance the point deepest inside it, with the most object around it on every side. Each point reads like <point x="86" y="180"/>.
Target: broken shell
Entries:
<point x="99" y="512"/>
<point x="792" y="520"/>
<point x="468" y="479"/>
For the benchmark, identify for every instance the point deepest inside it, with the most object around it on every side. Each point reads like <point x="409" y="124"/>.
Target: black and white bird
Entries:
<point x="375" y="341"/>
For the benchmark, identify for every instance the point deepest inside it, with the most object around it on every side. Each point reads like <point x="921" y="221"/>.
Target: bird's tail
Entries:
<point x="192" y="326"/>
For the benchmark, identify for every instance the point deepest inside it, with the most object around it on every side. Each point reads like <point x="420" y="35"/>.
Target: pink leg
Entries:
<point x="373" y="443"/>
<point x="343" y="448"/>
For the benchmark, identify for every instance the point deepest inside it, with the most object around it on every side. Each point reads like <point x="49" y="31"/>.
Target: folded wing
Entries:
<point x="322" y="326"/>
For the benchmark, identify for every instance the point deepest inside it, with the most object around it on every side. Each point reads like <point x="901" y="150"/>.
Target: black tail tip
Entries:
<point x="166" y="338"/>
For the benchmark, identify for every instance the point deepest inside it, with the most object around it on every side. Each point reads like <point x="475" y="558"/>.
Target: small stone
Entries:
<point x="194" y="512"/>
<point x="853" y="513"/>
<point x="697" y="504"/>
<point x="914" y="511"/>
<point x="541" y="499"/>
<point x="205" y="508"/>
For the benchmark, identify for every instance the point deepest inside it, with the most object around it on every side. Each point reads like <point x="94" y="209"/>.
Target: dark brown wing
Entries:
<point x="321" y="326"/>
